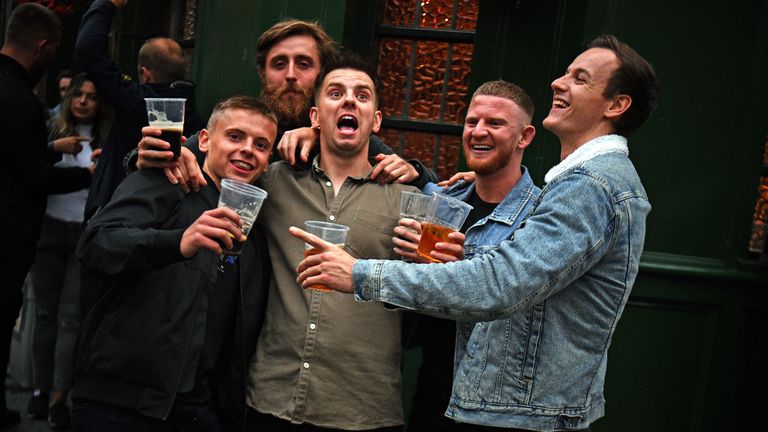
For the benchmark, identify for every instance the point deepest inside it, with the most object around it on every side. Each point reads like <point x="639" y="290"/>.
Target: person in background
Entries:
<point x="55" y="275"/>
<point x="32" y="36"/>
<point x="564" y="277"/>
<point x="63" y="79"/>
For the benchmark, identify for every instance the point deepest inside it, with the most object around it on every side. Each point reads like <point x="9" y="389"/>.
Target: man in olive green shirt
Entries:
<point x="311" y="359"/>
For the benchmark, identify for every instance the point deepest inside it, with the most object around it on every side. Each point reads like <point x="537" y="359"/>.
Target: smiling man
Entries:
<point x="314" y="355"/>
<point x="563" y="277"/>
<point x="163" y="347"/>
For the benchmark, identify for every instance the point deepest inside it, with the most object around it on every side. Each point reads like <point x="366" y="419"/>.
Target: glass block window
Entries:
<point x="758" y="242"/>
<point x="424" y="59"/>
<point x="182" y="26"/>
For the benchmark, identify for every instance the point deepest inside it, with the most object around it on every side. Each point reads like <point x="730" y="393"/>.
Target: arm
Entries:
<point x="118" y="89"/>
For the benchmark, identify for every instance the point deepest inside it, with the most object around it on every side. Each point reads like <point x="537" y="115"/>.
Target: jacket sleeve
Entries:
<point x="134" y="232"/>
<point x="118" y="89"/>
<point x="564" y="237"/>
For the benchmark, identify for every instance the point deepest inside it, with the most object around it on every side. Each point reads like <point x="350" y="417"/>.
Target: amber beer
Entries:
<point x="432" y="233"/>
<point x="171" y="132"/>
<point x="314" y="251"/>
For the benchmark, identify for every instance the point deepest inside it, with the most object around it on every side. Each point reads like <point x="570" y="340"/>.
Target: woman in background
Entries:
<point x="74" y="136"/>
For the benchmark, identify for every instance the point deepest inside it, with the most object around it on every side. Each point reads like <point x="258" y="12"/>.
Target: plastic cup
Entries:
<point x="413" y="205"/>
<point x="246" y="200"/>
<point x="444" y="216"/>
<point x="330" y="232"/>
<point x="167" y="114"/>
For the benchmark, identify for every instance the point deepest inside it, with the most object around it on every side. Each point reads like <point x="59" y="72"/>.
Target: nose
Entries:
<point x="558" y="83"/>
<point x="290" y="73"/>
<point x="479" y="130"/>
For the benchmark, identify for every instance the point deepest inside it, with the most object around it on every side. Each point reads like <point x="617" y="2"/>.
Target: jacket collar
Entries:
<point x="600" y="145"/>
<point x="16" y="70"/>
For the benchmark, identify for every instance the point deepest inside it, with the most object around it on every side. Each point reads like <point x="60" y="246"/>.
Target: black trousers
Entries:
<point x="15" y="261"/>
<point x="95" y="417"/>
<point x="258" y="422"/>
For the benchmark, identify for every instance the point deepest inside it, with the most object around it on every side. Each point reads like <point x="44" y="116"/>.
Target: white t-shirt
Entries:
<point x="70" y="207"/>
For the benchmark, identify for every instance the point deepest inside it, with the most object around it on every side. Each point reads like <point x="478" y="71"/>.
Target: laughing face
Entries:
<point x="579" y="110"/>
<point x="495" y="130"/>
<point x="345" y="112"/>
<point x="238" y="145"/>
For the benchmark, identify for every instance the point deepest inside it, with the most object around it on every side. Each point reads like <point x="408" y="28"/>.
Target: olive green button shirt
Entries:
<point x="314" y="361"/>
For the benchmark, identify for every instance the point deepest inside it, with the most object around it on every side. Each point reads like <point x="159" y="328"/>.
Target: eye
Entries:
<point x="580" y="79"/>
<point x="334" y="93"/>
<point x="363" y="97"/>
<point x="305" y="64"/>
<point x="278" y="64"/>
<point x="261" y="145"/>
<point x="234" y="136"/>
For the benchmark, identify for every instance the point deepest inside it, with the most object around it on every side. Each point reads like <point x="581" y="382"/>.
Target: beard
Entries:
<point x="488" y="166"/>
<point x="291" y="104"/>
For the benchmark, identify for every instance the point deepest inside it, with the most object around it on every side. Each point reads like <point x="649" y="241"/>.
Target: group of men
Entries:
<point x="181" y="339"/>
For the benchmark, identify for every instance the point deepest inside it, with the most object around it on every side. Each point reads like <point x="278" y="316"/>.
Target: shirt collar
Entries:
<point x="321" y="172"/>
<point x="603" y="144"/>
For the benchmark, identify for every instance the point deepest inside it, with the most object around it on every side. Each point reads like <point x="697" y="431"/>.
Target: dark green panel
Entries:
<point x="225" y="51"/>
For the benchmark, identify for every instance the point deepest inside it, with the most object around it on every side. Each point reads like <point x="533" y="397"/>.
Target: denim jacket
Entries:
<point x="549" y="297"/>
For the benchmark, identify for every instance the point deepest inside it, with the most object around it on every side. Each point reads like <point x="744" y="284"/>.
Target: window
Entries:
<point x="424" y="59"/>
<point x="758" y="242"/>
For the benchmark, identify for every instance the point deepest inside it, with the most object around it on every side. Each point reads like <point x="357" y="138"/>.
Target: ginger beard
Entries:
<point x="290" y="103"/>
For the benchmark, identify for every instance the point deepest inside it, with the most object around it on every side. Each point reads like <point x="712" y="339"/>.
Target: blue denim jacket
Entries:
<point x="560" y="284"/>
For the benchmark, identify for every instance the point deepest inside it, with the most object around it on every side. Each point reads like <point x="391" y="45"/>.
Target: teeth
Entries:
<point x="560" y="104"/>
<point x="481" y="147"/>
<point x="242" y="165"/>
<point x="347" y="121"/>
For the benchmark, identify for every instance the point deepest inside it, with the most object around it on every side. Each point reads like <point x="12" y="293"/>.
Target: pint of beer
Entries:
<point x="167" y="114"/>
<point x="444" y="216"/>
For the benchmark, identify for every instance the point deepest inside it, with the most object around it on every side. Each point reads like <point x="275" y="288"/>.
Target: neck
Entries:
<point x="19" y="55"/>
<point x="569" y="144"/>
<point x="338" y="167"/>
<point x="494" y="187"/>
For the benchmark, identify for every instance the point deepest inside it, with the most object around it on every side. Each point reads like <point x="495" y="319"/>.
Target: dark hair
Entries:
<point x="30" y="23"/>
<point x="634" y="77"/>
<point x="293" y="27"/>
<point x="248" y="103"/>
<point x="163" y="56"/>
<point x="65" y="122"/>
<point x="347" y="60"/>
<point x="65" y="73"/>
<point x="507" y="90"/>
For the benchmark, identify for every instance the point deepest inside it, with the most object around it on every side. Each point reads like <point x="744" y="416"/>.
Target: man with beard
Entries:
<point x="497" y="130"/>
<point x="563" y="278"/>
<point x="290" y="55"/>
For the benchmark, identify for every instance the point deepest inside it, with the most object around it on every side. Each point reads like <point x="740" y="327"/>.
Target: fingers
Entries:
<point x="95" y="154"/>
<point x="311" y="239"/>
<point x="392" y="168"/>
<point x="287" y="148"/>
<point x="468" y="176"/>
<point x="193" y="174"/>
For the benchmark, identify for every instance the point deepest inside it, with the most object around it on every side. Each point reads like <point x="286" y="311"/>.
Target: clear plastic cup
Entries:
<point x="444" y="216"/>
<point x="246" y="200"/>
<point x="167" y="114"/>
<point x="328" y="231"/>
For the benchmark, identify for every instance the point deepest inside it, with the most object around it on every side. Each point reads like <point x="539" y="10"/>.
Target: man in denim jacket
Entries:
<point x="564" y="276"/>
<point x="497" y="130"/>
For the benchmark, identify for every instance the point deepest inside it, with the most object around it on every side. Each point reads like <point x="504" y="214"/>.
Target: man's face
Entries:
<point x="64" y="85"/>
<point x="492" y="132"/>
<point x="84" y="103"/>
<point x="578" y="106"/>
<point x="345" y="111"/>
<point x="238" y="145"/>
<point x="289" y="74"/>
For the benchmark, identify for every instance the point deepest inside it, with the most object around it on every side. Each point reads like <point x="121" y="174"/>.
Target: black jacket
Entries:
<point x="28" y="175"/>
<point x="126" y="96"/>
<point x="150" y="322"/>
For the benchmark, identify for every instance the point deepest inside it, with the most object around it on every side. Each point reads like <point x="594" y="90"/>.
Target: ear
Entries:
<point x="145" y="75"/>
<point x="526" y="136"/>
<point x="376" y="122"/>
<point x="204" y="140"/>
<point x="313" y="118"/>
<point x="619" y="106"/>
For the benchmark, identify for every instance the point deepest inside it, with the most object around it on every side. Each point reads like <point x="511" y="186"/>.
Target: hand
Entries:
<point x="94" y="160"/>
<point x="211" y="230"/>
<point x="119" y="4"/>
<point x="155" y="153"/>
<point x="468" y="177"/>
<point x="407" y="241"/>
<point x="301" y="138"/>
<point x="393" y="169"/>
<point x="450" y="251"/>
<point x="331" y="267"/>
<point x="70" y="144"/>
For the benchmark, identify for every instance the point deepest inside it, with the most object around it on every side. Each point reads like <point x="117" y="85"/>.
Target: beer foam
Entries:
<point x="167" y="125"/>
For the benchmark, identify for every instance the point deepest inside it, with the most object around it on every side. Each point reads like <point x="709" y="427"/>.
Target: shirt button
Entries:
<point x="306" y="365"/>
<point x="329" y="184"/>
<point x="332" y="217"/>
<point x="313" y="326"/>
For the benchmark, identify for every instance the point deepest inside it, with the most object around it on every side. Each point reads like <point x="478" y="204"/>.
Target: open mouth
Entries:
<point x="347" y="124"/>
<point x="559" y="103"/>
<point x="481" y="148"/>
